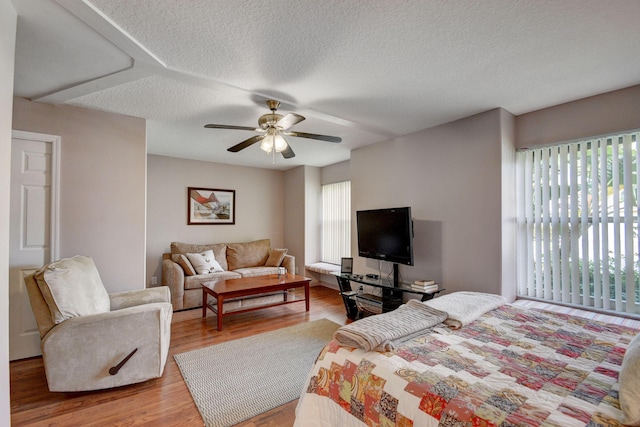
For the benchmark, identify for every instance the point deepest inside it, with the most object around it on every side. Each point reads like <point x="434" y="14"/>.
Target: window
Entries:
<point x="578" y="223"/>
<point x="336" y="221"/>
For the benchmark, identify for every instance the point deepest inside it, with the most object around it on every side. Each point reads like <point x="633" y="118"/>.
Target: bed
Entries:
<point x="507" y="365"/>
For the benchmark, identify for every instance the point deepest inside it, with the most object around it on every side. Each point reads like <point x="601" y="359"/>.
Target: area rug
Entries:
<point x="237" y="380"/>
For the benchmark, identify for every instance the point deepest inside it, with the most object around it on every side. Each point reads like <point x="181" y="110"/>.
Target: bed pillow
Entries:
<point x="204" y="262"/>
<point x="629" y="394"/>
<point x="275" y="257"/>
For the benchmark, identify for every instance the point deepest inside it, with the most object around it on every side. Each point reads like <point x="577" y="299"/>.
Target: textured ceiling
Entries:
<point x="363" y="70"/>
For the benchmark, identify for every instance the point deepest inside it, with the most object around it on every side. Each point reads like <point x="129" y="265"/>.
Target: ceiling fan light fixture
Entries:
<point x="280" y="143"/>
<point x="267" y="144"/>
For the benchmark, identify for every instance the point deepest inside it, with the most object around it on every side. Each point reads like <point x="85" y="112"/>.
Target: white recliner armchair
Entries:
<point x="93" y="340"/>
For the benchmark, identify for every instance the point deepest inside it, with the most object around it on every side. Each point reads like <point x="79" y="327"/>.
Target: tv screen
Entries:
<point x="386" y="234"/>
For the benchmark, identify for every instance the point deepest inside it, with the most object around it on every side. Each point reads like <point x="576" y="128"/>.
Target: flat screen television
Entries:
<point x="386" y="234"/>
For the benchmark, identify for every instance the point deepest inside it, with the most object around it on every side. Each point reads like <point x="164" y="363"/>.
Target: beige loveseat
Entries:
<point x="248" y="259"/>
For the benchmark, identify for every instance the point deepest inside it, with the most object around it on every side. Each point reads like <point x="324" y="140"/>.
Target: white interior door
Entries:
<point x="33" y="231"/>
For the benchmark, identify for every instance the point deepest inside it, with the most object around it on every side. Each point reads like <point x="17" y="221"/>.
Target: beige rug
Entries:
<point x="239" y="379"/>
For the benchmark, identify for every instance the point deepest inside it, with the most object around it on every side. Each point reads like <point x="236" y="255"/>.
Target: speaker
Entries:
<point x="346" y="266"/>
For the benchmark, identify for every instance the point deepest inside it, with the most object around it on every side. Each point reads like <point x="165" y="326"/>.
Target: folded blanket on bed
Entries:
<point x="464" y="307"/>
<point x="385" y="331"/>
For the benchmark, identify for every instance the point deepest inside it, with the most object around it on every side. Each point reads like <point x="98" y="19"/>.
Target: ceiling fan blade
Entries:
<point x="231" y="127"/>
<point x="246" y="143"/>
<point x="289" y="120"/>
<point x="314" y="136"/>
<point x="288" y="153"/>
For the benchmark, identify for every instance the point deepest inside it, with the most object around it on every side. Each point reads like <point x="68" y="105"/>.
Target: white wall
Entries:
<point x="597" y="115"/>
<point x="294" y="237"/>
<point x="103" y="186"/>
<point x="313" y="215"/>
<point x="8" y="20"/>
<point x="259" y="206"/>
<point x="508" y="201"/>
<point x="450" y="175"/>
<point x="303" y="213"/>
<point x="337" y="172"/>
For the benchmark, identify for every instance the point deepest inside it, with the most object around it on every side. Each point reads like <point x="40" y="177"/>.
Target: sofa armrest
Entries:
<point x="120" y="300"/>
<point x="289" y="262"/>
<point x="79" y="352"/>
<point x="173" y="277"/>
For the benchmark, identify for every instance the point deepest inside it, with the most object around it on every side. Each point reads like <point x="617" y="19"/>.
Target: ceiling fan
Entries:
<point x="272" y="127"/>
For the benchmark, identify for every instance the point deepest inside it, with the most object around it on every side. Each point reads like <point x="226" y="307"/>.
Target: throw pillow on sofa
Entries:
<point x="204" y="262"/>
<point x="183" y="262"/>
<point x="275" y="257"/>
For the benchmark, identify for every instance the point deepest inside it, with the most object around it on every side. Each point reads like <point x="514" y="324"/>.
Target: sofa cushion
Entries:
<point x="195" y="282"/>
<point x="72" y="287"/>
<point x="256" y="271"/>
<point x="275" y="257"/>
<point x="183" y="262"/>
<point x="219" y="251"/>
<point x="204" y="262"/>
<point x="249" y="254"/>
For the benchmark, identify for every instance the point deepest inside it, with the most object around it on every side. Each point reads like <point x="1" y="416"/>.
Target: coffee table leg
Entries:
<point x="220" y="304"/>
<point x="204" y="303"/>
<point x="306" y="295"/>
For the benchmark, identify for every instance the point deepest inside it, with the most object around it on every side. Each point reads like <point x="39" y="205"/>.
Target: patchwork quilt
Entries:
<point x="510" y="367"/>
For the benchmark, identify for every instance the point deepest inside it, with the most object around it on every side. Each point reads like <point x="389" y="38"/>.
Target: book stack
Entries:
<point x="425" y="285"/>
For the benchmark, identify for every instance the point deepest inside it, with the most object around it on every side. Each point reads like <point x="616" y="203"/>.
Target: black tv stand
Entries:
<point x="396" y="276"/>
<point x="392" y="292"/>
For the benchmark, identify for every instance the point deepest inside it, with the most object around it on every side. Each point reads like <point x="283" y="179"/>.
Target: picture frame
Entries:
<point x="346" y="266"/>
<point x="210" y="206"/>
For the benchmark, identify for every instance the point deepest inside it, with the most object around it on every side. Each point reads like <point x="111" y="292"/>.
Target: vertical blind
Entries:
<point x="578" y="223"/>
<point x="336" y="221"/>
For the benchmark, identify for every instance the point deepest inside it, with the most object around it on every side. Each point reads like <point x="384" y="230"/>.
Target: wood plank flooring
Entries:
<point x="165" y="401"/>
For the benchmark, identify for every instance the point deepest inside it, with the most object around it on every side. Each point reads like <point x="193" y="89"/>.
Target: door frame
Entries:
<point x="55" y="142"/>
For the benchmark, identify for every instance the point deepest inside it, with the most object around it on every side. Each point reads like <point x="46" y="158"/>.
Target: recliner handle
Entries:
<point x="115" y="369"/>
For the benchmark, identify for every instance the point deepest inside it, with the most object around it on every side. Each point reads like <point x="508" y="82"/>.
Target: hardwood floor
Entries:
<point x="165" y="401"/>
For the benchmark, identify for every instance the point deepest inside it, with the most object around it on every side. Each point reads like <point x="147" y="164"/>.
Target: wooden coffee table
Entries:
<point x="224" y="289"/>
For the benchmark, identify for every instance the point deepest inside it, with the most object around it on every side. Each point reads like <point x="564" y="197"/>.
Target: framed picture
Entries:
<point x="211" y="206"/>
<point x="346" y="266"/>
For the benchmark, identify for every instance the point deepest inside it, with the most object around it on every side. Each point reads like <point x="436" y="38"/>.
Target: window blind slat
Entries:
<point x="605" y="299"/>
<point x="575" y="232"/>
<point x="596" y="294"/>
<point x="546" y="226"/>
<point x="530" y="224"/>
<point x="554" y="227"/>
<point x="628" y="222"/>
<point x="537" y="232"/>
<point x="564" y="226"/>
<point x="617" y="252"/>
<point x="584" y="223"/>
<point x="521" y="214"/>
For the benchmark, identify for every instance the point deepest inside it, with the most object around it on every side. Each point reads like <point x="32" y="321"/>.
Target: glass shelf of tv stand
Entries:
<point x="386" y="284"/>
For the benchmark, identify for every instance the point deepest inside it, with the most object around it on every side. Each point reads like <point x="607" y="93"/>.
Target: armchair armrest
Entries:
<point x="120" y="300"/>
<point x="173" y="277"/>
<point x="289" y="262"/>
<point x="80" y="351"/>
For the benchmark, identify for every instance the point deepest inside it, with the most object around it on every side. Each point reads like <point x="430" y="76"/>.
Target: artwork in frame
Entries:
<point x="211" y="206"/>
